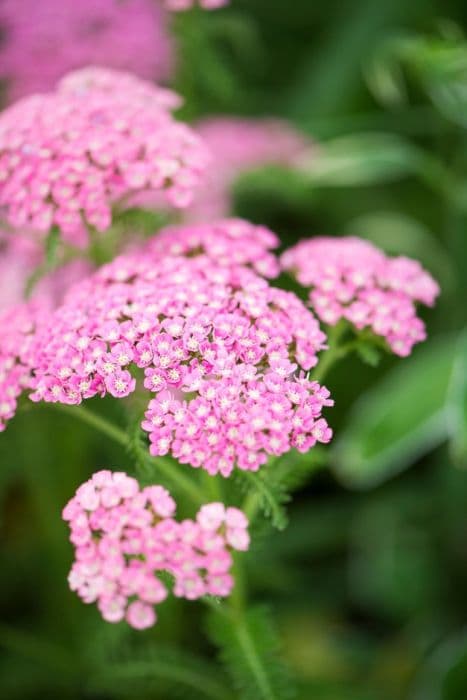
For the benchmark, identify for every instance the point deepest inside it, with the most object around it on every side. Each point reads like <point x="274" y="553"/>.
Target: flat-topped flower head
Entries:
<point x="228" y="243"/>
<point x="180" y="5"/>
<point x="125" y="536"/>
<point x="67" y="157"/>
<point x="42" y="41"/>
<point x="351" y="279"/>
<point x="224" y="357"/>
<point x="240" y="145"/>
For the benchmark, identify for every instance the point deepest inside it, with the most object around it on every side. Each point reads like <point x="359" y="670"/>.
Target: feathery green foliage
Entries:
<point x="266" y="494"/>
<point x="249" y="649"/>
<point x="270" y="490"/>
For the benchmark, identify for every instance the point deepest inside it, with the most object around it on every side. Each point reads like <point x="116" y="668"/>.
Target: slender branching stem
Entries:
<point x="166" y="467"/>
<point x="337" y="350"/>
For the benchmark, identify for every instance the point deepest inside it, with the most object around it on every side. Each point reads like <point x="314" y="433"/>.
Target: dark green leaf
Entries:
<point x="384" y="77"/>
<point x="271" y="496"/>
<point x="455" y="680"/>
<point x="368" y="353"/>
<point x="457" y="402"/>
<point x="399" y="419"/>
<point x="361" y="159"/>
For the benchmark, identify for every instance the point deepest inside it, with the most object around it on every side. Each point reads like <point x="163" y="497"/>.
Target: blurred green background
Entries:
<point x="368" y="583"/>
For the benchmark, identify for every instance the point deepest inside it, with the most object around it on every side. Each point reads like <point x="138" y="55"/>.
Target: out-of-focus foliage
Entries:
<point x="379" y="441"/>
<point x="367" y="585"/>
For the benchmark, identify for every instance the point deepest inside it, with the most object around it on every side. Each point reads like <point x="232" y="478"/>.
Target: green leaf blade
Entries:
<point x="457" y="403"/>
<point x="398" y="420"/>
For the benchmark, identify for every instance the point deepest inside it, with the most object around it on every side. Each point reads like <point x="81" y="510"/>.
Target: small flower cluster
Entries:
<point x="124" y="536"/>
<point x="223" y="353"/>
<point x="240" y="145"/>
<point x="228" y="243"/>
<point x="352" y="279"/>
<point x="179" y="5"/>
<point x="41" y="41"/>
<point x="66" y="157"/>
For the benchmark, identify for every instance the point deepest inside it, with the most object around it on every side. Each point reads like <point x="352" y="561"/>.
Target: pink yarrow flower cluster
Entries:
<point x="41" y="41"/>
<point x="67" y="157"/>
<point x="223" y="353"/>
<point x="124" y="536"/>
<point x="179" y="5"/>
<point x="227" y="243"/>
<point x="240" y="145"/>
<point x="351" y="279"/>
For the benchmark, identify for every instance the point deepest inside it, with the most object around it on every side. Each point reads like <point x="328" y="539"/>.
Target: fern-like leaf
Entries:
<point x="271" y="489"/>
<point x="249" y="649"/>
<point x="137" y="449"/>
<point x="293" y="470"/>
<point x="268" y="494"/>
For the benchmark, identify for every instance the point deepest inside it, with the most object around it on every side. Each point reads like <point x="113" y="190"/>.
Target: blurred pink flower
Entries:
<point x="20" y="256"/>
<point x="44" y="39"/>
<point x="178" y="5"/>
<point x="67" y="157"/>
<point x="239" y="145"/>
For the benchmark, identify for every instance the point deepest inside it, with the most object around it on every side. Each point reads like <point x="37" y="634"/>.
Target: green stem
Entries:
<point x="212" y="486"/>
<point x="251" y="505"/>
<point x="238" y="597"/>
<point x="172" y="472"/>
<point x="118" y="435"/>
<point x="235" y="612"/>
<point x="100" y="423"/>
<point x="49" y="263"/>
<point x="252" y="502"/>
<point x="238" y="622"/>
<point x="252" y="659"/>
<point x="335" y="353"/>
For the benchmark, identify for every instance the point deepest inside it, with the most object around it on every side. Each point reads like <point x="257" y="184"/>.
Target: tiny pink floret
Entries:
<point x="239" y="145"/>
